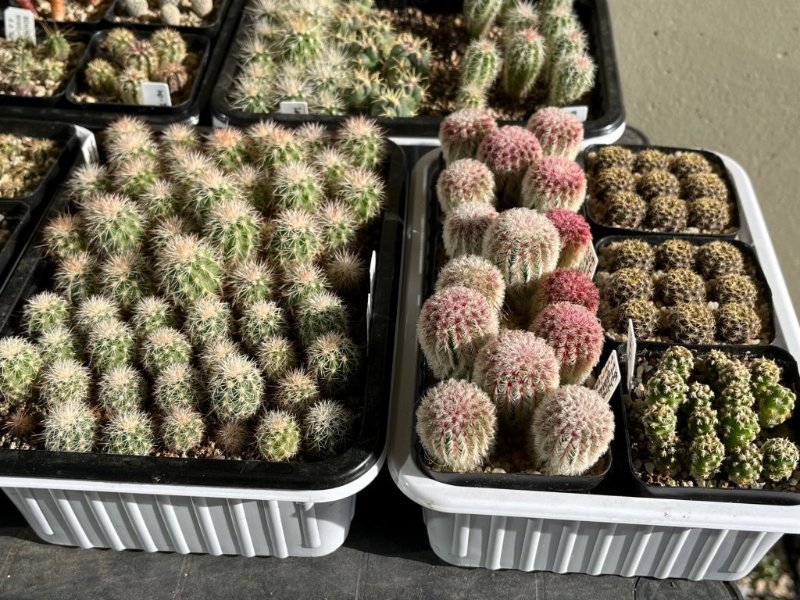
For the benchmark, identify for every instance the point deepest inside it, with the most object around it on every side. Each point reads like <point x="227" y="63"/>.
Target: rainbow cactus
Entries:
<point x="462" y="131"/>
<point x="559" y="132"/>
<point x="465" y="181"/>
<point x="553" y="182"/>
<point x="508" y="152"/>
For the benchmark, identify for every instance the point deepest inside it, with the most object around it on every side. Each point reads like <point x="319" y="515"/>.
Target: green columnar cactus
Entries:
<point x="75" y="277"/>
<point x="208" y="320"/>
<point x="571" y="78"/>
<point x="129" y="432"/>
<point x="702" y="420"/>
<point x="744" y="465"/>
<point x="233" y="227"/>
<point x="700" y="395"/>
<point x="278" y="436"/>
<point x="20" y="364"/>
<point x="780" y="458"/>
<point x="123" y="280"/>
<point x="327" y="427"/>
<point x="764" y="371"/>
<point x="62" y="237"/>
<point x="57" y="343"/>
<point x="44" y="311"/>
<point x="660" y="423"/>
<point x="705" y="456"/>
<point x="296" y="237"/>
<point x="667" y="387"/>
<point x="176" y="387"/>
<point x="338" y="224"/>
<point x="678" y="359"/>
<point x="218" y="350"/>
<point x="321" y="313"/>
<point x="297" y="185"/>
<point x="113" y="224"/>
<point x="110" y="344"/>
<point x="236" y="388"/>
<point x="190" y="269"/>
<point x="164" y="347"/>
<point x="481" y="64"/>
<point x="296" y="391"/>
<point x="93" y="311"/>
<point x="69" y="427"/>
<point x="63" y="380"/>
<point x="332" y="165"/>
<point x="363" y="192"/>
<point x="182" y="430"/>
<point x="227" y="146"/>
<point x="276" y="356"/>
<point x="121" y="388"/>
<point x="211" y="188"/>
<point x="151" y="313"/>
<point x="88" y="181"/>
<point x="251" y="281"/>
<point x="301" y="282"/>
<point x="480" y="15"/>
<point x="666" y="457"/>
<point x="737" y="394"/>
<point x="101" y="76"/>
<point x="334" y="360"/>
<point x="260" y="321"/>
<point x="160" y="201"/>
<point x="738" y="426"/>
<point x="775" y="404"/>
<point x="362" y="141"/>
<point x="524" y="56"/>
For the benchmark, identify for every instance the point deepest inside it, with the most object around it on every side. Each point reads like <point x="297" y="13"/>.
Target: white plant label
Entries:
<point x="293" y="108"/>
<point x="588" y="264"/>
<point x="88" y="145"/>
<point x="580" y="112"/>
<point x="631" y="350"/>
<point x="155" y="93"/>
<point x="609" y="377"/>
<point x="372" y="264"/>
<point x="19" y="22"/>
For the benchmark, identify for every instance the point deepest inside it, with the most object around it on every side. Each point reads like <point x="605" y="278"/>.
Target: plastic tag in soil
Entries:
<point x="588" y="264"/>
<point x="293" y="108"/>
<point x="609" y="377"/>
<point x="631" y="351"/>
<point x="580" y="112"/>
<point x="155" y="93"/>
<point x="19" y="22"/>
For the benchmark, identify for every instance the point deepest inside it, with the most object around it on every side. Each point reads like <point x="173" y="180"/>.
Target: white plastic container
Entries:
<point x="579" y="533"/>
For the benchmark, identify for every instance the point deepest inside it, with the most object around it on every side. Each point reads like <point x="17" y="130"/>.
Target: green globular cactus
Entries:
<point x="738" y="323"/>
<point x="679" y="286"/>
<point x="301" y="282"/>
<point x="176" y="388"/>
<point x="44" y="311"/>
<point x="764" y="371"/>
<point x="571" y="78"/>
<point x="730" y="371"/>
<point x="667" y="387"/>
<point x="236" y="388"/>
<point x="710" y="214"/>
<point x="744" y="465"/>
<point x="182" y="430"/>
<point x="571" y="429"/>
<point x="278" y="436"/>
<point x="362" y="141"/>
<point x="63" y="380"/>
<point x="227" y="146"/>
<point x="110" y="344"/>
<point x="93" y="311"/>
<point x="113" y="224"/>
<point x="211" y="188"/>
<point x="129" y="85"/>
<point x="779" y="458"/>
<point x="88" y="181"/>
<point x="327" y="426"/>
<point x="69" y="427"/>
<point x="363" y="192"/>
<point x="169" y="45"/>
<point x="516" y="370"/>
<point x="333" y="359"/>
<point x="480" y="15"/>
<point x="347" y="272"/>
<point x="190" y="269"/>
<point x="208" y="320"/>
<point x="453" y="326"/>
<point x="332" y="165"/>
<point x="320" y="313"/>
<point x="122" y="279"/>
<point x="62" y="237"/>
<point x="678" y="359"/>
<point x="164" y="347"/>
<point x="738" y="426"/>
<point x="133" y="177"/>
<point x="233" y="227"/>
<point x="456" y="425"/>
<point x="692" y="323"/>
<point x="260" y="320"/>
<point x="254" y="186"/>
<point x="274" y="145"/>
<point x="296" y="237"/>
<point x="75" y="277"/>
<point x="276" y="356"/>
<point x="20" y="364"/>
<point x="524" y="56"/>
<point x="121" y="388"/>
<point x="251" y="281"/>
<point x="101" y="76"/>
<point x="217" y="351"/>
<point x="297" y="185"/>
<point x="481" y="64"/>
<point x="159" y="201"/>
<point x="702" y="420"/>
<point x="775" y="404"/>
<point x="151" y="313"/>
<point x="57" y="343"/>
<point x="129" y="432"/>
<point x="178" y="136"/>
<point x="338" y="224"/>
<point x="660" y="423"/>
<point x="296" y="391"/>
<point x="705" y="455"/>
<point x="700" y="395"/>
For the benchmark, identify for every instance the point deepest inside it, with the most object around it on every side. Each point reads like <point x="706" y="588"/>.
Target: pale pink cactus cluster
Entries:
<point x="511" y="329"/>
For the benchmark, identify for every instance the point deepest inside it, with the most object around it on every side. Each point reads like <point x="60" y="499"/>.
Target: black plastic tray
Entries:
<point x="791" y="379"/>
<point x="17" y="215"/>
<point x="699" y="240"/>
<point x="195" y="43"/>
<point x="717" y="166"/>
<point x="72" y="36"/>
<point x="517" y="481"/>
<point x="32" y="274"/>
<point x="84" y="26"/>
<point x="63" y="135"/>
<point x="606" y="111"/>
<point x="210" y="30"/>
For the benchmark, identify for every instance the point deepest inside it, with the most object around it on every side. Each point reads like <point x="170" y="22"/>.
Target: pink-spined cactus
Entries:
<point x="524" y="245"/>
<point x="576" y="336"/>
<point x="508" y="152"/>
<point x="559" y="132"/>
<point x="453" y="326"/>
<point x="571" y="429"/>
<point x="461" y="132"/>
<point x="465" y="181"/>
<point x="465" y="227"/>
<point x="517" y="369"/>
<point x="575" y="234"/>
<point x="457" y="425"/>
<point x="553" y="182"/>
<point x="566" y="285"/>
<point x="476" y="273"/>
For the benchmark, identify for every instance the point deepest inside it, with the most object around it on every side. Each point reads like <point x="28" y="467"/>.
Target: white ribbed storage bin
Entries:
<point x="580" y="533"/>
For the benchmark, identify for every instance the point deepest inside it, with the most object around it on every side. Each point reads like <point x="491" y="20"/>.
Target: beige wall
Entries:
<point x="725" y="75"/>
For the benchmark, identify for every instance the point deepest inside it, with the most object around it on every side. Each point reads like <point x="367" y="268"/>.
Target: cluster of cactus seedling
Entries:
<point x="511" y="327"/>
<point x="38" y="69"/>
<point x="522" y="48"/>
<point x="205" y="302"/>
<point x="24" y="162"/>
<point x="175" y="13"/>
<point x="703" y="293"/>
<point x="655" y="190"/>
<point x="715" y="417"/>
<point x="337" y="57"/>
<point x="125" y="61"/>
